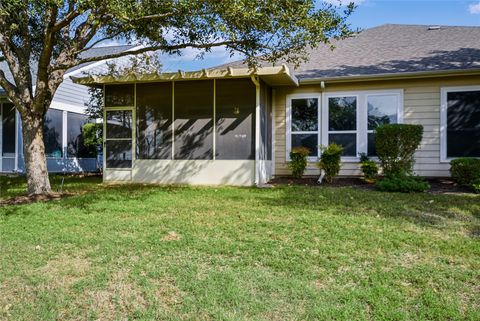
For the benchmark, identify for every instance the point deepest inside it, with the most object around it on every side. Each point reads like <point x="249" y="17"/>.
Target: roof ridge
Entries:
<point x="420" y="25"/>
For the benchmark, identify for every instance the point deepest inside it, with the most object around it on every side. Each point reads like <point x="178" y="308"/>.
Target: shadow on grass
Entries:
<point x="422" y="209"/>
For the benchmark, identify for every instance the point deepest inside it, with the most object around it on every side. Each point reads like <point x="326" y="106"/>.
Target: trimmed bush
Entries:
<point x="402" y="183"/>
<point x="369" y="167"/>
<point x="298" y="163"/>
<point x="465" y="170"/>
<point x="395" y="145"/>
<point x="330" y="161"/>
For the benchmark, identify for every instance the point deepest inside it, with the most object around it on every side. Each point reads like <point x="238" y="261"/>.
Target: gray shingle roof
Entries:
<point x="394" y="49"/>
<point x="94" y="52"/>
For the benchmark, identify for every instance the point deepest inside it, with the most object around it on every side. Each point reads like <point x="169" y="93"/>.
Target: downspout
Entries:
<point x="17" y="119"/>
<point x="256" y="81"/>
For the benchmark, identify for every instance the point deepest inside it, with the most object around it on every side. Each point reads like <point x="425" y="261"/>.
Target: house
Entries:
<point x="232" y="125"/>
<point x="64" y="120"/>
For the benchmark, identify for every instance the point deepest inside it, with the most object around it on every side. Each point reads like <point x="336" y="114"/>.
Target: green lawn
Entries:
<point x="13" y="186"/>
<point x="287" y="253"/>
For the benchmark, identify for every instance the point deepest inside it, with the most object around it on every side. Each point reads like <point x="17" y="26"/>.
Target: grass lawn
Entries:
<point x="287" y="253"/>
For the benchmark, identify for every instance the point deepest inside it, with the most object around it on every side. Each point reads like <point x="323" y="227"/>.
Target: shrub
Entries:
<point x="298" y="163"/>
<point x="369" y="167"/>
<point x="476" y="186"/>
<point x="465" y="170"/>
<point x="402" y="183"/>
<point x="92" y="137"/>
<point x="396" y="144"/>
<point x="330" y="160"/>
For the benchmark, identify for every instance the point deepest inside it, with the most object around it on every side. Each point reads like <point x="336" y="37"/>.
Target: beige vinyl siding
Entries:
<point x="421" y="106"/>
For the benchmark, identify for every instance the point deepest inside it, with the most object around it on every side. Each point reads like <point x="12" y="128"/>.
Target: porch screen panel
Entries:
<point x="8" y="130"/>
<point x="154" y="121"/>
<point x="53" y="133"/>
<point x="269" y="123"/>
<point x="118" y="144"/>
<point x="119" y="95"/>
<point x="463" y="124"/>
<point x="193" y="119"/>
<point x="263" y="122"/>
<point x="235" y="125"/>
<point x="75" y="144"/>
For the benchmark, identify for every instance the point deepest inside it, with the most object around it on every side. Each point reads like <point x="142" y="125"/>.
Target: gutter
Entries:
<point x="390" y="76"/>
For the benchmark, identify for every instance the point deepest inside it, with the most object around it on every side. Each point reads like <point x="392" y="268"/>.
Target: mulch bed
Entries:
<point x="32" y="199"/>
<point x="438" y="185"/>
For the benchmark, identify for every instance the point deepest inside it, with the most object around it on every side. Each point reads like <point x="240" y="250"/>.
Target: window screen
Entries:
<point x="8" y="130"/>
<point x="119" y="153"/>
<point x="235" y="125"/>
<point x="53" y="133"/>
<point x="119" y="124"/>
<point x="154" y="121"/>
<point x="269" y="123"/>
<point x="305" y="124"/>
<point x="119" y="95"/>
<point x="193" y="119"/>
<point x="463" y="124"/>
<point x="119" y="139"/>
<point x="342" y="123"/>
<point x="75" y="145"/>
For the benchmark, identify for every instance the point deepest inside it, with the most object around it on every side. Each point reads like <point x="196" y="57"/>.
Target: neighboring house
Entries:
<point x="64" y="120"/>
<point x="232" y="125"/>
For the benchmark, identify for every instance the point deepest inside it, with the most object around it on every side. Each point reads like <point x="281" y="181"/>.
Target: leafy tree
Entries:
<point x="47" y="37"/>
<point x="141" y="63"/>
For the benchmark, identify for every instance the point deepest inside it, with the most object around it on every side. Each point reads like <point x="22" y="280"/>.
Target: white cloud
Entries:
<point x="474" y="8"/>
<point x="343" y="2"/>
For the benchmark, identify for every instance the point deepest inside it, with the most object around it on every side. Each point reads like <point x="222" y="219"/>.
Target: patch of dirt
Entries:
<point x="171" y="236"/>
<point x="60" y="274"/>
<point x="65" y="270"/>
<point x="121" y="297"/>
<point x="18" y="200"/>
<point x="438" y="185"/>
<point x="167" y="292"/>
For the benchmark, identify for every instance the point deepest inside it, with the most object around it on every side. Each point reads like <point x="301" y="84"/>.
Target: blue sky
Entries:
<point x="369" y="13"/>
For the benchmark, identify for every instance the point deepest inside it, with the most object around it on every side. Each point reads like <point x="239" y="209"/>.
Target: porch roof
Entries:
<point x="274" y="76"/>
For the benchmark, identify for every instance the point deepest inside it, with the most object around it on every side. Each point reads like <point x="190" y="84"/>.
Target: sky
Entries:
<point x="369" y="13"/>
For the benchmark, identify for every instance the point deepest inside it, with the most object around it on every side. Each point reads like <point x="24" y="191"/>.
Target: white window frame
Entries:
<point x="443" y="117"/>
<point x="399" y="94"/>
<point x="289" y="123"/>
<point x="326" y="120"/>
<point x="362" y="117"/>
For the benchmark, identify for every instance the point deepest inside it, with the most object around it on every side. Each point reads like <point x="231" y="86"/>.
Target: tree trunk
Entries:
<point x="34" y="154"/>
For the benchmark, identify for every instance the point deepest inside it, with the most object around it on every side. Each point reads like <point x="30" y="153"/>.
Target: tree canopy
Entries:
<point x="41" y="39"/>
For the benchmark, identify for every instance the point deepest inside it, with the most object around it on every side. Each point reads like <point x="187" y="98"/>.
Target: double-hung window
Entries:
<point x="303" y="119"/>
<point x="460" y="122"/>
<point x="347" y="118"/>
<point x="342" y="123"/>
<point x="383" y="108"/>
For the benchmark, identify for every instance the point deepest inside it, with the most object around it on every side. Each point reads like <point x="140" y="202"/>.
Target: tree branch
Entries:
<point x="166" y="48"/>
<point x="153" y="17"/>
<point x="12" y="91"/>
<point x="41" y="89"/>
<point x="96" y="42"/>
